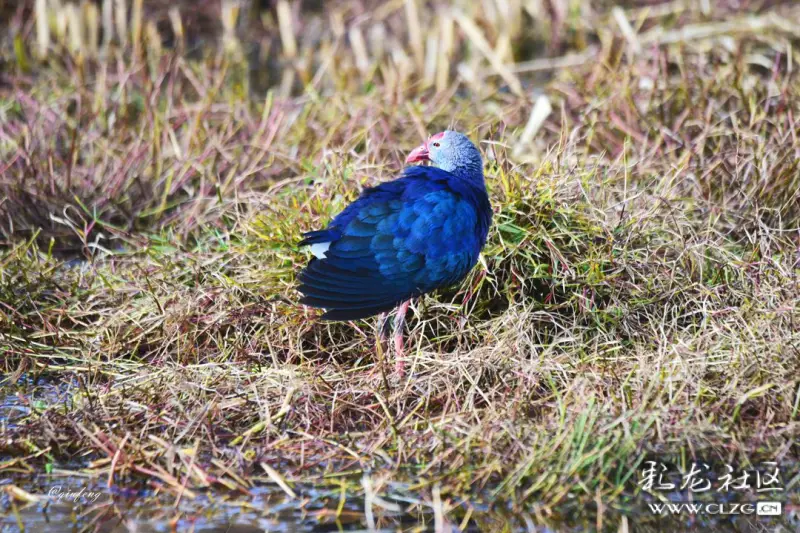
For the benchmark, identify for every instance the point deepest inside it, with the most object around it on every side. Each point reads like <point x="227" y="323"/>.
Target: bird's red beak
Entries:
<point x="420" y="153"/>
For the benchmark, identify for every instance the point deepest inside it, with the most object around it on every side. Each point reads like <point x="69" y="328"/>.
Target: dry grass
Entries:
<point x="638" y="295"/>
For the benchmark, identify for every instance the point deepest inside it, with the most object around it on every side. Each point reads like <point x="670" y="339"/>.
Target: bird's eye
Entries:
<point x="436" y="145"/>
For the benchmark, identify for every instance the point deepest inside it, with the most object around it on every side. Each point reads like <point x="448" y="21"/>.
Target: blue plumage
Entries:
<point x="398" y="240"/>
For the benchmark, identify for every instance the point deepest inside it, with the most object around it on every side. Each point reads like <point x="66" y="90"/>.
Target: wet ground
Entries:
<point x="69" y="503"/>
<point x="66" y="498"/>
<point x="73" y="504"/>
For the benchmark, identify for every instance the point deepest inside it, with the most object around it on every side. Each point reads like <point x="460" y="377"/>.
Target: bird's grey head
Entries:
<point x="451" y="151"/>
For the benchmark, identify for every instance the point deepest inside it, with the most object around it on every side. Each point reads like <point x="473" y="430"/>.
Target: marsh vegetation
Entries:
<point x="638" y="296"/>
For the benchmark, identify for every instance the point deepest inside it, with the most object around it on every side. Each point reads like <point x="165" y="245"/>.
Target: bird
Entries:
<point x="402" y="238"/>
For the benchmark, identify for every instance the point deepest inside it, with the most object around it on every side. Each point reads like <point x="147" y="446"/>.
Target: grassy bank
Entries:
<point x="638" y="296"/>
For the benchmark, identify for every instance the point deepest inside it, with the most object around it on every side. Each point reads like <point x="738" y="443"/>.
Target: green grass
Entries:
<point x="638" y="295"/>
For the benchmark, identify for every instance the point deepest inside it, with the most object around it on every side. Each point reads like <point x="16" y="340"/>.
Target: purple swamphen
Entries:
<point x="402" y="238"/>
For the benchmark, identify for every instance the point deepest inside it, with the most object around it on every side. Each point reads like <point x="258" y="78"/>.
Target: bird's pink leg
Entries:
<point x="399" y="324"/>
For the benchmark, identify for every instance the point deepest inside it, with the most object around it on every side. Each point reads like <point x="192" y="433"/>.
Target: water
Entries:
<point x="72" y="504"/>
<point x="68" y="502"/>
<point x="18" y="401"/>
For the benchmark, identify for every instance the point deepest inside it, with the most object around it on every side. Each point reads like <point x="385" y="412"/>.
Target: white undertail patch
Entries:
<point x="319" y="249"/>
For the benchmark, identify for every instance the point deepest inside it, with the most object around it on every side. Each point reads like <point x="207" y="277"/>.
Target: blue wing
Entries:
<point x="398" y="240"/>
